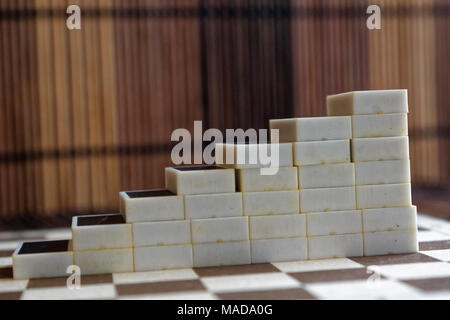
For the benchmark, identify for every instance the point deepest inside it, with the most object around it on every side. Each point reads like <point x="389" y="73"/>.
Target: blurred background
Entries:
<point x="86" y="113"/>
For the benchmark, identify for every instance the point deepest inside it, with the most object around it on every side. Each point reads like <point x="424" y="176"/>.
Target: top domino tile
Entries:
<point x="368" y="102"/>
<point x="200" y="179"/>
<point x="312" y="129"/>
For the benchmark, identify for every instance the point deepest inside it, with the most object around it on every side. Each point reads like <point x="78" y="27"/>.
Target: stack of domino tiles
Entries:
<point x="219" y="231"/>
<point x="161" y="235"/>
<point x="380" y="152"/>
<point x="354" y="199"/>
<point x="102" y="244"/>
<point x="327" y="183"/>
<point x="271" y="202"/>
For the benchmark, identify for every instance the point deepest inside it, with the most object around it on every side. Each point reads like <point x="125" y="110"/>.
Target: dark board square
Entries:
<point x="331" y="276"/>
<point x="434" y="245"/>
<point x="393" y="259"/>
<point x="159" y="287"/>
<point x="6" y="273"/>
<point x="100" y="220"/>
<point x="149" y="193"/>
<point x="62" y="281"/>
<point x="283" y="294"/>
<point x="6" y="253"/>
<point x="44" y="246"/>
<point x="10" y="295"/>
<point x="235" y="270"/>
<point x="434" y="284"/>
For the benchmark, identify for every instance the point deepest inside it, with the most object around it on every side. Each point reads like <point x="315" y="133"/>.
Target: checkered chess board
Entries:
<point x="424" y="275"/>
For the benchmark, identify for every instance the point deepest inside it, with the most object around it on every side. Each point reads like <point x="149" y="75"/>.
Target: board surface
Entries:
<point x="423" y="275"/>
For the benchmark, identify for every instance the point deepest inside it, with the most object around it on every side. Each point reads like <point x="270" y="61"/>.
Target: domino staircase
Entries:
<point x="342" y="190"/>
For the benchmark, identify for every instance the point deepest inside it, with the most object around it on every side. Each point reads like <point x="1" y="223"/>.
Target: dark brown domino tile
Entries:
<point x="44" y="246"/>
<point x="100" y="220"/>
<point x="149" y="193"/>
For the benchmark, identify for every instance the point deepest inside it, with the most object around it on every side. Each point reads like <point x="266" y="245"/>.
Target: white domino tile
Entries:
<point x="274" y="250"/>
<point x="382" y="172"/>
<point x="161" y="233"/>
<point x="326" y="175"/>
<point x="271" y="202"/>
<point x="104" y="261"/>
<point x="334" y="222"/>
<point x="42" y="259"/>
<point x="312" y="129"/>
<point x="383" y="196"/>
<point x="163" y="257"/>
<point x="218" y="205"/>
<point x="380" y="149"/>
<point x="380" y="125"/>
<point x="96" y="232"/>
<point x="241" y="156"/>
<point x="390" y="242"/>
<point x="219" y="230"/>
<point x="321" y="152"/>
<point x="327" y="199"/>
<point x="277" y="226"/>
<point x="368" y="102"/>
<point x="151" y="205"/>
<point x="338" y="246"/>
<point x="200" y="180"/>
<point x="389" y="219"/>
<point x="220" y="254"/>
<point x="250" y="180"/>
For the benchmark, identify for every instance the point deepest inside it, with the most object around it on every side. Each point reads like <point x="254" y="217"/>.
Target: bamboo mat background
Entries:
<point x="86" y="113"/>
